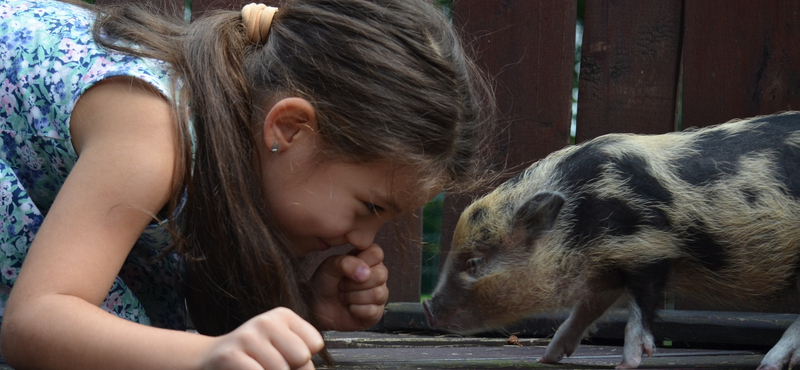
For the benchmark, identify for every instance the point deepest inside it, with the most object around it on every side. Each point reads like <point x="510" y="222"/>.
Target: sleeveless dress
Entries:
<point x="48" y="60"/>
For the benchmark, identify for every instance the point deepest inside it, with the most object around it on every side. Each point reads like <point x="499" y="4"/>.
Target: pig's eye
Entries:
<point x="474" y="265"/>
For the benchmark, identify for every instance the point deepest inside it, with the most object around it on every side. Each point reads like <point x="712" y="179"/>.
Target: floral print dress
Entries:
<point x="48" y="60"/>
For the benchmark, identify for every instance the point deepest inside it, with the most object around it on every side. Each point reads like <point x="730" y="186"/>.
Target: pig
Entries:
<point x="712" y="214"/>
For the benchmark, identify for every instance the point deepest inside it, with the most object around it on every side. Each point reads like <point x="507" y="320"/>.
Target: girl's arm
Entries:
<point x="124" y="134"/>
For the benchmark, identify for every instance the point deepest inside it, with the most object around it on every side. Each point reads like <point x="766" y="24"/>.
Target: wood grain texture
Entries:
<point x="630" y="61"/>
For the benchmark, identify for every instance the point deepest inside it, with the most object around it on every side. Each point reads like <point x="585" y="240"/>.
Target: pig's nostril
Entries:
<point x="426" y="307"/>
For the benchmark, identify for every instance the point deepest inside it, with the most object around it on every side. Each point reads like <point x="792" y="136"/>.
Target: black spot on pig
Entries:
<point x="751" y="196"/>
<point x="477" y="216"/>
<point x="722" y="150"/>
<point x="639" y="179"/>
<point x="788" y="162"/>
<point x="699" y="244"/>
<point x="595" y="217"/>
<point x="718" y="159"/>
<point x="656" y="218"/>
<point x="584" y="165"/>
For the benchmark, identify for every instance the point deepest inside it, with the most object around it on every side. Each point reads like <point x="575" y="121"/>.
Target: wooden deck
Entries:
<point x="685" y="339"/>
<point x="385" y="351"/>
<point x="367" y="350"/>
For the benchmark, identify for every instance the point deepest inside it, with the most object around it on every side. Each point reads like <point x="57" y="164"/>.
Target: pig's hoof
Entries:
<point x="772" y="363"/>
<point x="786" y="351"/>
<point x="556" y="351"/>
<point x="546" y="360"/>
<point x="629" y="364"/>
<point x="636" y="346"/>
<point x="552" y="355"/>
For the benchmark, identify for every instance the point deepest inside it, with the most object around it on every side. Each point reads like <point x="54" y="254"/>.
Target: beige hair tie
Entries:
<point x="257" y="19"/>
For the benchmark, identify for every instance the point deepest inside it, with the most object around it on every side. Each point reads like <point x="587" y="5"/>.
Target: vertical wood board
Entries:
<point x="629" y="67"/>
<point x="741" y="59"/>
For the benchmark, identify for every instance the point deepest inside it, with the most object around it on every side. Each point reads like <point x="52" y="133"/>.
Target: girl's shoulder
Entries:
<point x="129" y="120"/>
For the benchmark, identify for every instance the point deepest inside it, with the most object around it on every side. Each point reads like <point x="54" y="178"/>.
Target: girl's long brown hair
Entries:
<point x="389" y="80"/>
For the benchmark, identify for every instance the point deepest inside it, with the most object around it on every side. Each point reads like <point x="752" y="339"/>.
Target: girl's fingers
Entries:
<point x="366" y="311"/>
<point x="293" y="340"/>
<point x="292" y="350"/>
<point x="377" y="295"/>
<point x="268" y="357"/>
<point x="308" y="333"/>
<point x="378" y="275"/>
<point x="372" y="255"/>
<point x="308" y="366"/>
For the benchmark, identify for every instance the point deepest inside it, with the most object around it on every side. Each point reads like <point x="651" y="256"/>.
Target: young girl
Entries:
<point x="147" y="162"/>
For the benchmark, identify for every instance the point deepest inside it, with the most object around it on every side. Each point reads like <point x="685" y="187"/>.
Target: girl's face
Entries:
<point x="320" y="205"/>
<point x="331" y="204"/>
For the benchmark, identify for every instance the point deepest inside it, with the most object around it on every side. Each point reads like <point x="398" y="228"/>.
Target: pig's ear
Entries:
<point x="537" y="215"/>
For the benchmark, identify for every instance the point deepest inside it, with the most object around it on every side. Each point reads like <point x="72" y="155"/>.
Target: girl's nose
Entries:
<point x="363" y="235"/>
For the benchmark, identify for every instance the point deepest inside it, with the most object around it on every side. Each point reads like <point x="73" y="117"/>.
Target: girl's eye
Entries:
<point x="373" y="208"/>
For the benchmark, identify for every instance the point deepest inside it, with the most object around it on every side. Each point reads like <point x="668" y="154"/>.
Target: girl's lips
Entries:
<point x="323" y="246"/>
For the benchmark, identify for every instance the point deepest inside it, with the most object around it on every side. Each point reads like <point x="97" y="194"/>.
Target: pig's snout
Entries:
<point x="427" y="307"/>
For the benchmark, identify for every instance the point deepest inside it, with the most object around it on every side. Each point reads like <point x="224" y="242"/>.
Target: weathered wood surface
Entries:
<point x="741" y="58"/>
<point x="406" y="342"/>
<point x="376" y="351"/>
<point x="366" y="350"/>
<point x="630" y="63"/>
<point x="699" y="328"/>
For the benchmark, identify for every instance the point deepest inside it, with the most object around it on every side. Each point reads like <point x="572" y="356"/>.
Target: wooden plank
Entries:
<point x="685" y="326"/>
<point x="630" y="61"/>
<point x="526" y="357"/>
<point x="366" y="350"/>
<point x="527" y="48"/>
<point x="741" y="58"/>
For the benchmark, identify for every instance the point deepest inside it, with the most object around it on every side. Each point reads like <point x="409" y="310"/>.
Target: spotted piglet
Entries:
<point x="712" y="214"/>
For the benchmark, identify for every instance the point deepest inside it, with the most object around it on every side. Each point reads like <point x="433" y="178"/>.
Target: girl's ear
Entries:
<point x="288" y="121"/>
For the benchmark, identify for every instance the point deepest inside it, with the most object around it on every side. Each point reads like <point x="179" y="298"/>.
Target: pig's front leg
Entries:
<point x="638" y="339"/>
<point x="569" y="334"/>
<point x="786" y="350"/>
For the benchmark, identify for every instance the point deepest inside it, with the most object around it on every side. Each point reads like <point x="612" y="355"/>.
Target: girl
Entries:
<point x="158" y="163"/>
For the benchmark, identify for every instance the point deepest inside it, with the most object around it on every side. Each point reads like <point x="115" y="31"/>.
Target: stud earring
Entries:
<point x="274" y="148"/>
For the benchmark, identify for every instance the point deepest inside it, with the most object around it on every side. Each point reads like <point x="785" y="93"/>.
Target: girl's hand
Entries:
<point x="276" y="339"/>
<point x="352" y="290"/>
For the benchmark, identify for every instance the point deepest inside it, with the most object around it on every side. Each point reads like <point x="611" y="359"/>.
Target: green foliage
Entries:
<point x="431" y="236"/>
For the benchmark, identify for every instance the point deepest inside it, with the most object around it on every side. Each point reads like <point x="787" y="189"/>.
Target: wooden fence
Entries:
<point x="647" y="66"/>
